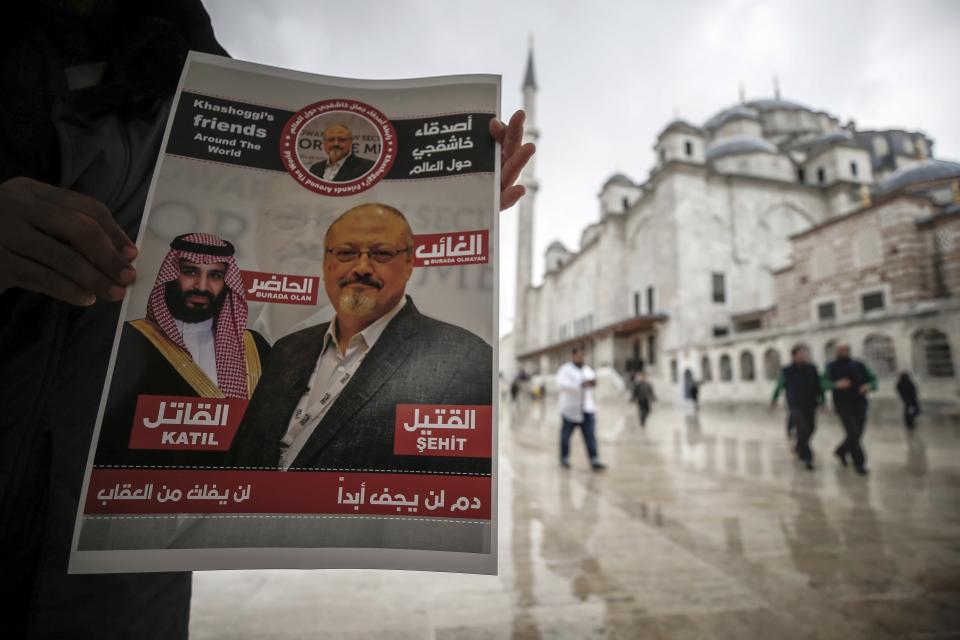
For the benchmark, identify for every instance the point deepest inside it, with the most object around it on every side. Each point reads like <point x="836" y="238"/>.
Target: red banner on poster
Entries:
<point x="444" y="249"/>
<point x="463" y="431"/>
<point x="148" y="491"/>
<point x="186" y="422"/>
<point x="278" y="288"/>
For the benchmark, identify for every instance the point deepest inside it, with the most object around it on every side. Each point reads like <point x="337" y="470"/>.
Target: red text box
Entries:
<point x="462" y="431"/>
<point x="149" y="491"/>
<point x="279" y="288"/>
<point x="186" y="423"/>
<point x="457" y="248"/>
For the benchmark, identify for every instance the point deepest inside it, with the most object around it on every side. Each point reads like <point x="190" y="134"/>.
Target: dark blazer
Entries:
<point x="352" y="168"/>
<point x="802" y="385"/>
<point x="858" y="375"/>
<point x="416" y="360"/>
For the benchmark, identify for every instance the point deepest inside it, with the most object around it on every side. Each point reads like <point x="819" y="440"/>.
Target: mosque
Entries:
<point x="771" y="224"/>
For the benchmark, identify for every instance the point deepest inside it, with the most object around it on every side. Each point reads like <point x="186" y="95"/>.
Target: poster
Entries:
<point x="304" y="373"/>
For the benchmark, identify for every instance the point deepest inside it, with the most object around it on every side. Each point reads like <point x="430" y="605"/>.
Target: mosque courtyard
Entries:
<point x="702" y="527"/>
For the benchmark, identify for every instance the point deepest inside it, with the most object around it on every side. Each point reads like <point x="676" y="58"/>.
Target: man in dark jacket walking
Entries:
<point x="643" y="395"/>
<point x="851" y="381"/>
<point x="907" y="391"/>
<point x="802" y="385"/>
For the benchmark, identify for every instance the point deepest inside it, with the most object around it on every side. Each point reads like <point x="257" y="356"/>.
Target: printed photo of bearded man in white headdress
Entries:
<point x="193" y="342"/>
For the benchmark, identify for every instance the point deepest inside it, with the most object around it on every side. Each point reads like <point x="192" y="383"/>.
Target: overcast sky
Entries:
<point x="612" y="74"/>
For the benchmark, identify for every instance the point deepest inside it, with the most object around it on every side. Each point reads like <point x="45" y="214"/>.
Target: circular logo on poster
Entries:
<point x="338" y="147"/>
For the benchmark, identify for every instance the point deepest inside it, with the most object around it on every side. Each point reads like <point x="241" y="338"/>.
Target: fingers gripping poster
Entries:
<point x="303" y="375"/>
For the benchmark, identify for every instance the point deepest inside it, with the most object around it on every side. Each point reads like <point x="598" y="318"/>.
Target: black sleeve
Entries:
<point x="263" y="347"/>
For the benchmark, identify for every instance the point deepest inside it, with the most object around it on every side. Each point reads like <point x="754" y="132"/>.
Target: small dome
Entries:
<point x="925" y="171"/>
<point x="736" y="145"/>
<point x="556" y="245"/>
<point x="832" y="136"/>
<point x="681" y="126"/>
<point x="737" y="111"/>
<point x="776" y="104"/>
<point x="619" y="178"/>
<point x="828" y="140"/>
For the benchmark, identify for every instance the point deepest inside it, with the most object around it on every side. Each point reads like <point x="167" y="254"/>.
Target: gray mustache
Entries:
<point x="364" y="280"/>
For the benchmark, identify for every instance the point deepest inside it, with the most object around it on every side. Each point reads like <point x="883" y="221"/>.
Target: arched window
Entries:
<point x="931" y="354"/>
<point x="706" y="371"/>
<point x="674" y="376"/>
<point x="746" y="366"/>
<point x="726" y="369"/>
<point x="879" y="353"/>
<point x="771" y="364"/>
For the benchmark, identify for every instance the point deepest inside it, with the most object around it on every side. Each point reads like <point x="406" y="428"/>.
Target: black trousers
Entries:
<point x="804" y="423"/>
<point x="854" y="419"/>
<point x="644" y="408"/>
<point x="910" y="412"/>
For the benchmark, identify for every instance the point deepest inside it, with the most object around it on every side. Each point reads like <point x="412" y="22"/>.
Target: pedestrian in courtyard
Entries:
<point x="578" y="407"/>
<point x="643" y="395"/>
<point x="801" y="383"/>
<point x="691" y="391"/>
<point x="851" y="381"/>
<point x="907" y="391"/>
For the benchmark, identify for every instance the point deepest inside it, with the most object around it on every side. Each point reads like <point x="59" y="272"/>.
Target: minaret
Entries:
<point x="525" y="213"/>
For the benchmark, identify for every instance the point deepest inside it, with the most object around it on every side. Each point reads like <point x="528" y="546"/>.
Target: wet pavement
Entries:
<point x="701" y="528"/>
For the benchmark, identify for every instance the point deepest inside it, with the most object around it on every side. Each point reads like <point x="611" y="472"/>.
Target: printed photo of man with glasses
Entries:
<point x="341" y="164"/>
<point x="327" y="398"/>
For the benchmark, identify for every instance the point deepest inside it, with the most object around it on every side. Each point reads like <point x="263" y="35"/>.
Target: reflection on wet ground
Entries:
<point x="703" y="527"/>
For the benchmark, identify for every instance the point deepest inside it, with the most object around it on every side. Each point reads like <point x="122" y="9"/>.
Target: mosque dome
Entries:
<point x="681" y="126"/>
<point x="556" y="245"/>
<point x="826" y="141"/>
<point x="732" y="113"/>
<point x="776" y="104"/>
<point x="737" y="145"/>
<point x="619" y="178"/>
<point x="752" y="109"/>
<point x="924" y="171"/>
<point x="832" y="136"/>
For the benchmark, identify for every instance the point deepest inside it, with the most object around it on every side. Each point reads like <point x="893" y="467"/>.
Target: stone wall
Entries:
<point x="876" y="249"/>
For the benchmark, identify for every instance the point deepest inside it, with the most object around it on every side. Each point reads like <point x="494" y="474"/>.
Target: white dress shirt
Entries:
<point x="575" y="399"/>
<point x="198" y="336"/>
<point x="332" y="373"/>
<point x="331" y="170"/>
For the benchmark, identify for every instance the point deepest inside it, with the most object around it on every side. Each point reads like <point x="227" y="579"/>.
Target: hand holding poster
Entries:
<point x="308" y="379"/>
